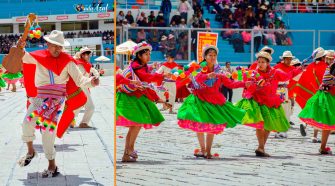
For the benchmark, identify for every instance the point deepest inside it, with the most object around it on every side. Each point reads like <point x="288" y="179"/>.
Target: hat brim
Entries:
<point x="297" y="63"/>
<point x="66" y="43"/>
<point x="86" y="50"/>
<point x="142" y="48"/>
<point x="317" y="57"/>
<point x="265" y="49"/>
<point x="282" y="57"/>
<point x="264" y="56"/>
<point x="210" y="47"/>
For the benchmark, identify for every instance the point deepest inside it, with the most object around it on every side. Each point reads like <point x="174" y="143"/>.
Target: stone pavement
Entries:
<point x="166" y="158"/>
<point x="84" y="156"/>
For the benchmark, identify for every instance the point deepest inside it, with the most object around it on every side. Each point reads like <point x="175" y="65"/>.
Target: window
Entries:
<point x="94" y="25"/>
<point x="46" y="27"/>
<point x="6" y="28"/>
<point x="67" y="26"/>
<point x="70" y="26"/>
<point x="81" y="25"/>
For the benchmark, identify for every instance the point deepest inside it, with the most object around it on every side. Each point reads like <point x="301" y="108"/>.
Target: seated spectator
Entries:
<point x="161" y="23"/>
<point x="246" y="36"/>
<point x="173" y="25"/>
<point x="183" y="47"/>
<point x="176" y="18"/>
<point x="182" y="23"/>
<point x="250" y="20"/>
<point x="270" y="35"/>
<point x="130" y="17"/>
<point x="262" y="20"/>
<point x="120" y="18"/>
<point x="239" y="13"/>
<point x="281" y="35"/>
<point x="171" y="45"/>
<point x="141" y="36"/>
<point x="159" y="18"/>
<point x="229" y="21"/>
<point x="163" y="45"/>
<point x="152" y="18"/>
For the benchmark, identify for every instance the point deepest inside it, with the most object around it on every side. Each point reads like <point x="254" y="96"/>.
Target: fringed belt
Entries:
<point x="48" y="112"/>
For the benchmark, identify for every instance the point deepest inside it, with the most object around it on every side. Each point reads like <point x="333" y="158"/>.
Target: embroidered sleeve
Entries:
<point x="328" y="77"/>
<point x="121" y="80"/>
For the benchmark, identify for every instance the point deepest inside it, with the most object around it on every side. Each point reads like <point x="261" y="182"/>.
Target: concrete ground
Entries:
<point x="166" y="158"/>
<point x="84" y="156"/>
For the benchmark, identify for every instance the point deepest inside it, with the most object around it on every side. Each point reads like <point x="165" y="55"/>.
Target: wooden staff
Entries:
<point x="12" y="62"/>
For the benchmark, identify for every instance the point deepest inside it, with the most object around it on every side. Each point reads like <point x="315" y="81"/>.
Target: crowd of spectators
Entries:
<point x="8" y="40"/>
<point x="267" y="24"/>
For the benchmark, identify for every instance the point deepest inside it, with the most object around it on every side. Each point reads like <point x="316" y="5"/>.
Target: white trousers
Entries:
<point x="28" y="130"/>
<point x="288" y="109"/>
<point x="172" y="89"/>
<point x="89" y="108"/>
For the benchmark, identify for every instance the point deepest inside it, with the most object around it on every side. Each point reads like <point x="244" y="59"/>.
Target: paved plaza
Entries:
<point x="166" y="158"/>
<point x="84" y="156"/>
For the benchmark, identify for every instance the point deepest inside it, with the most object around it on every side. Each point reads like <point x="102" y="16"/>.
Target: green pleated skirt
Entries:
<point x="263" y="117"/>
<point x="200" y="116"/>
<point x="133" y="111"/>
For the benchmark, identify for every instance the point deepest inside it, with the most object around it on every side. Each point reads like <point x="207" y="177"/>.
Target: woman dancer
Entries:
<point x="319" y="110"/>
<point x="206" y="109"/>
<point x="136" y="106"/>
<point x="263" y="105"/>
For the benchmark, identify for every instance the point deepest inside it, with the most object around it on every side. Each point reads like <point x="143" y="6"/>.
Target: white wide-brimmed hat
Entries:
<point x="56" y="37"/>
<point x="141" y="46"/>
<point x="171" y="36"/>
<point x="287" y="54"/>
<point x="320" y="53"/>
<point x="295" y="61"/>
<point x="264" y="55"/>
<point x="330" y="53"/>
<point x="81" y="51"/>
<point x="164" y="38"/>
<point x="265" y="48"/>
<point x="207" y="47"/>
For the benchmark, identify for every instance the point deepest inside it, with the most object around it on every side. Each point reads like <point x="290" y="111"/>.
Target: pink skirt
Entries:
<point x="123" y="122"/>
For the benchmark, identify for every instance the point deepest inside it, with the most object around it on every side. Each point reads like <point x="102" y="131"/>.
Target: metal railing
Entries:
<point x="305" y="7"/>
<point x="126" y="4"/>
<point x="300" y="42"/>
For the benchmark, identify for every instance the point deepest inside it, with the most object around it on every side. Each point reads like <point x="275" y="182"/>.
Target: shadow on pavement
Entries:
<point x="271" y="157"/>
<point x="80" y="129"/>
<point x="139" y="162"/>
<point x="36" y="179"/>
<point x="62" y="147"/>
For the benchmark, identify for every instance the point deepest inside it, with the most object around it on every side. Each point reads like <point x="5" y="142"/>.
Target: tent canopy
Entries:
<point x="126" y="47"/>
<point x="102" y="58"/>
